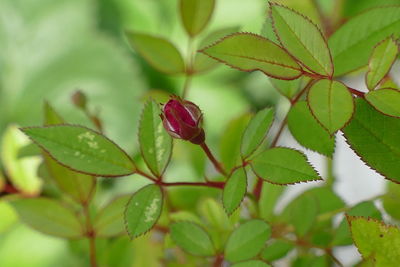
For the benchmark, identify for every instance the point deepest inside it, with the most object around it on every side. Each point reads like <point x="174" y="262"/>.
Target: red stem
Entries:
<point x="219" y="260"/>
<point x="356" y="92"/>
<point x="217" y="165"/>
<point x="258" y="188"/>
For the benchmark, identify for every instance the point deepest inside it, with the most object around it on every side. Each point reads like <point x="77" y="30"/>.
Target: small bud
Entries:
<point x="79" y="99"/>
<point x="183" y="119"/>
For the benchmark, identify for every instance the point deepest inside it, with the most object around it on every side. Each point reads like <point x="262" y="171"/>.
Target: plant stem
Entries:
<point x="148" y="176"/>
<point x="257" y="189"/>
<point x="189" y="68"/>
<point x="280" y="131"/>
<point x="356" y="92"/>
<point x="217" y="165"/>
<point x="186" y="85"/>
<point x="284" y="121"/>
<point x="219" y="260"/>
<point x="90" y="235"/>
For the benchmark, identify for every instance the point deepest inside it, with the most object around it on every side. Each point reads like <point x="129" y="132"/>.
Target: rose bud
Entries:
<point x="183" y="119"/>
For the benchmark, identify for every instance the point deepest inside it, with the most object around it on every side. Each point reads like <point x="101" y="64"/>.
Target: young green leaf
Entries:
<point x="192" y="238"/>
<point x="276" y="250"/>
<point x="366" y="209"/>
<point x="331" y="104"/>
<point x="301" y="213"/>
<point x="371" y="135"/>
<point x="109" y="221"/>
<point x="251" y="52"/>
<point x="376" y="240"/>
<point x="352" y="44"/>
<point x="155" y="142"/>
<point x="385" y="100"/>
<point x="158" y="52"/>
<point x="247" y="240"/>
<point x="391" y="200"/>
<point x="251" y="263"/>
<point x="143" y="210"/>
<point x="307" y="131"/>
<point x="8" y="215"/>
<point x="382" y="58"/>
<point x="196" y="14"/>
<point x="301" y="37"/>
<point x="82" y="149"/>
<point x="49" y="217"/>
<point x="256" y="131"/>
<point x="234" y="190"/>
<point x="272" y="166"/>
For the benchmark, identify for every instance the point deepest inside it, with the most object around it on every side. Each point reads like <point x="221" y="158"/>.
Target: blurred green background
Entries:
<point x="50" y="48"/>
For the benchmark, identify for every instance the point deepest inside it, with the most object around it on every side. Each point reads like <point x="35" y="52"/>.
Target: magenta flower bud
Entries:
<point x="183" y="119"/>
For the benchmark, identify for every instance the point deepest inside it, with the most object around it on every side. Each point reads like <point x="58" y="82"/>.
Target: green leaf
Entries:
<point x="22" y="172"/>
<point x="234" y="190"/>
<point x="331" y="103"/>
<point x="192" y="238"/>
<point x="382" y="58"/>
<point x="202" y="62"/>
<point x="109" y="221"/>
<point x="251" y="52"/>
<point x="391" y="200"/>
<point x="158" y="52"/>
<point x="270" y="194"/>
<point x="272" y="166"/>
<point x="301" y="213"/>
<point x="308" y="132"/>
<point x="231" y="141"/>
<point x="77" y="185"/>
<point x="371" y="135"/>
<point x="287" y="88"/>
<point x="302" y="38"/>
<point x="365" y="209"/>
<point x="143" y="210"/>
<point x="251" y="263"/>
<point x="247" y="240"/>
<point x="155" y="142"/>
<point x="51" y="117"/>
<point x="385" y="100"/>
<point x="352" y="44"/>
<point x="82" y="149"/>
<point x="376" y="240"/>
<point x="276" y="250"/>
<point x="196" y="14"/>
<point x="49" y="217"/>
<point x="256" y="131"/>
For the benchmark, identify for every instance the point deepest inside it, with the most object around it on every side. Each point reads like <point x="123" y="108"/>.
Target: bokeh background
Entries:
<point x="50" y="48"/>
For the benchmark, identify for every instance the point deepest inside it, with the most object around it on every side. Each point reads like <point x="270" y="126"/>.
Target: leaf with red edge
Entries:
<point x="376" y="240"/>
<point x="302" y="38"/>
<point x="386" y="100"/>
<point x="331" y="103"/>
<point x="143" y="210"/>
<point x="251" y="52"/>
<point x="82" y="150"/>
<point x="283" y="166"/>
<point x="375" y="138"/>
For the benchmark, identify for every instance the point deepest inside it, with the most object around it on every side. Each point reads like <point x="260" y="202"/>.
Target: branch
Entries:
<point x="217" y="165"/>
